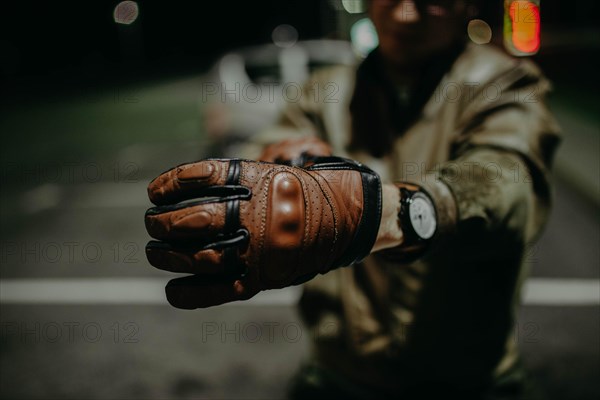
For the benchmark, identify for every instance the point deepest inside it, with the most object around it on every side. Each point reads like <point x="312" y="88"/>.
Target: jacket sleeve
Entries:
<point x="497" y="178"/>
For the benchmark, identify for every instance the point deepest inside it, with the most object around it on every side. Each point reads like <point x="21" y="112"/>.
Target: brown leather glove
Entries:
<point x="296" y="152"/>
<point x="245" y="226"/>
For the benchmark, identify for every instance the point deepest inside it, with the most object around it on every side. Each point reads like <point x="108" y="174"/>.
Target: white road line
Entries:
<point x="554" y="291"/>
<point x="150" y="291"/>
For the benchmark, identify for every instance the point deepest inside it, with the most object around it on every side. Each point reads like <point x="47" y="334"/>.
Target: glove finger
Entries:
<point x="200" y="220"/>
<point x="202" y="262"/>
<point x="196" y="291"/>
<point x="192" y="180"/>
<point x="220" y="258"/>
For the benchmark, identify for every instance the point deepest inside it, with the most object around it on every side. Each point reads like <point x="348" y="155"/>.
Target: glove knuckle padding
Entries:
<point x="275" y="216"/>
<point x="284" y="234"/>
<point x="300" y="221"/>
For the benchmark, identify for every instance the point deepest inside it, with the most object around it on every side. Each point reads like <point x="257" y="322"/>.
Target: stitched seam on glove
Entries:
<point x="330" y="203"/>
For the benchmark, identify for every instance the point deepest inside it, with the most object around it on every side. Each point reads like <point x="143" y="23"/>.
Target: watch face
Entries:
<point x="422" y="216"/>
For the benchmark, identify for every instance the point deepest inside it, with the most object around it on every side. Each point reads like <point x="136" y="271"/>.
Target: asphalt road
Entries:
<point x="74" y="173"/>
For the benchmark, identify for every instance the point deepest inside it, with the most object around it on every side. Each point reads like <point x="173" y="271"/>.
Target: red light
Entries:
<point x="522" y="27"/>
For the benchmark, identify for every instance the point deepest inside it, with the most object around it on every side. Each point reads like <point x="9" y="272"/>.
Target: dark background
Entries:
<point x="79" y="42"/>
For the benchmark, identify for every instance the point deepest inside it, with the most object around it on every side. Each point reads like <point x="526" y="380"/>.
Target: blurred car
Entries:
<point x="246" y="89"/>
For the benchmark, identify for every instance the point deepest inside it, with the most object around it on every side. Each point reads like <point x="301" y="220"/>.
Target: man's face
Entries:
<point x="411" y="31"/>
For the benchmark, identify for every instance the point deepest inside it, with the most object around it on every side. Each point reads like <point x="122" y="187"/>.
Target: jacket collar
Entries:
<point x="378" y="113"/>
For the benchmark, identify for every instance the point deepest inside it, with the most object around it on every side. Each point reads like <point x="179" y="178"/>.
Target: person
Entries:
<point x="458" y="143"/>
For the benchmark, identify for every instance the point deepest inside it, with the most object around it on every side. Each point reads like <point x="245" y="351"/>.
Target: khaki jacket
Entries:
<point x="482" y="147"/>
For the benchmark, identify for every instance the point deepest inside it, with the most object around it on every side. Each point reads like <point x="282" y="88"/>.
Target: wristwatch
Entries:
<point x="418" y="219"/>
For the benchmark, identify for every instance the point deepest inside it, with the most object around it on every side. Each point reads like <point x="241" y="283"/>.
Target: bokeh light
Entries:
<point x="364" y="37"/>
<point x="285" y="35"/>
<point x="522" y="27"/>
<point x="479" y="31"/>
<point x="126" y="12"/>
<point x="354" y="6"/>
